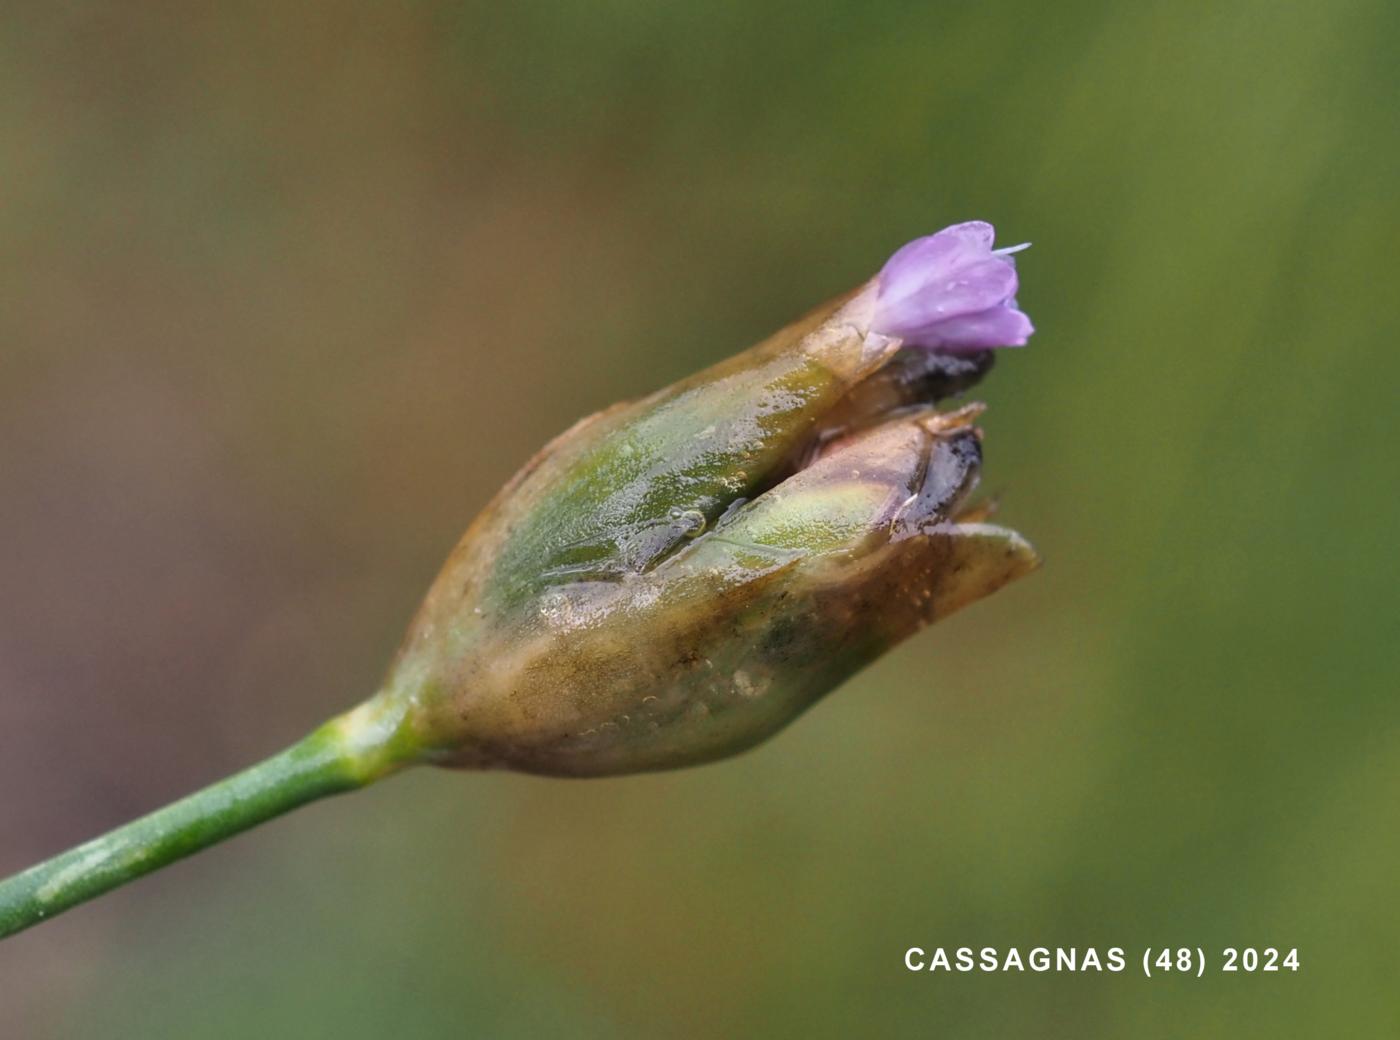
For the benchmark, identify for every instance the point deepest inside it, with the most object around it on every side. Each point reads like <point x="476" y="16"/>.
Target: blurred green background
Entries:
<point x="286" y="291"/>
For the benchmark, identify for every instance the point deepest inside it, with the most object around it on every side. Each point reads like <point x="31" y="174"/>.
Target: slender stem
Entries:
<point x="324" y="763"/>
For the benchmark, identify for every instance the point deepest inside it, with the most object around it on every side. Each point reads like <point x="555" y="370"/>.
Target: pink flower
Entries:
<point x="952" y="291"/>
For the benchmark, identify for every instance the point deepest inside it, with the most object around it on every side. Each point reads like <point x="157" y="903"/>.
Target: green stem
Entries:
<point x="324" y="763"/>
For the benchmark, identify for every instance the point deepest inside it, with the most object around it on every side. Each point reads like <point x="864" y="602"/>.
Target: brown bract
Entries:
<point x="675" y="579"/>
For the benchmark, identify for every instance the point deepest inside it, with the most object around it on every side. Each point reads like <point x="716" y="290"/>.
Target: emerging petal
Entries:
<point x="967" y="289"/>
<point x="951" y="291"/>
<point x="915" y="262"/>
<point x="997" y="327"/>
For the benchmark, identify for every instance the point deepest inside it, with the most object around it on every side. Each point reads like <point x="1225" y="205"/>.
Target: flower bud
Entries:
<point x="953" y="291"/>
<point x="675" y="579"/>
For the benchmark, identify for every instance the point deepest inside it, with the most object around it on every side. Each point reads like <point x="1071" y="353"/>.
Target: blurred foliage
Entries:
<point x="287" y="290"/>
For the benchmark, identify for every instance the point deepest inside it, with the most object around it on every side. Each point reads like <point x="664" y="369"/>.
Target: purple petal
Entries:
<point x="947" y="294"/>
<point x="963" y="290"/>
<point x="951" y="291"/>
<point x="914" y="263"/>
<point x="972" y="239"/>
<point x="997" y="327"/>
